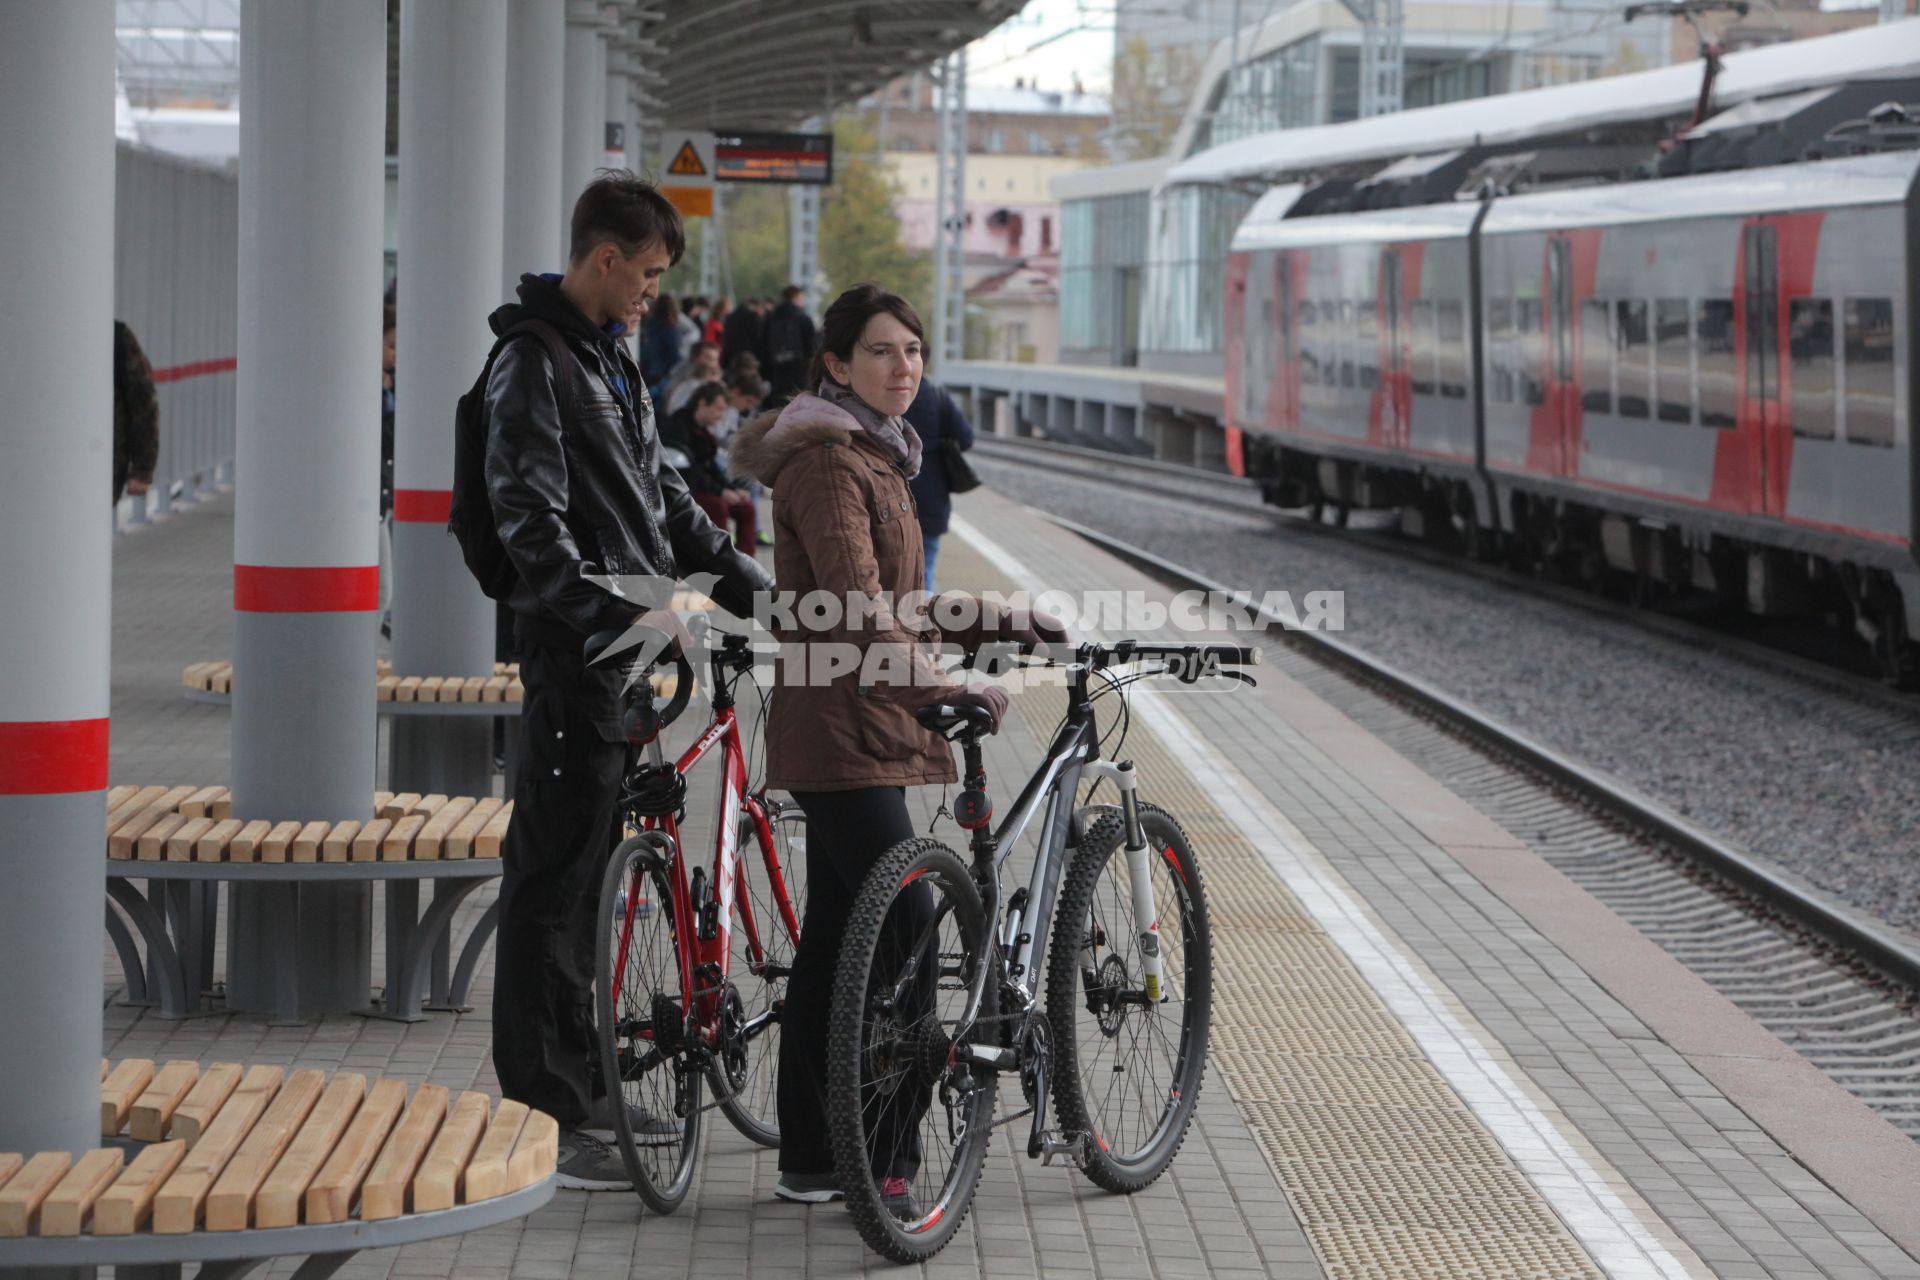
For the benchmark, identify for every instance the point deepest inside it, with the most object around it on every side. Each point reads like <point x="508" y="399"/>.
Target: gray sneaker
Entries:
<point x="588" y="1164"/>
<point x="809" y="1188"/>
<point x="649" y="1130"/>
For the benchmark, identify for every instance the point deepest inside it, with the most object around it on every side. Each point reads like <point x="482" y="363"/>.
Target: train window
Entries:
<point x="1453" y="349"/>
<point x="1673" y="359"/>
<point x="1310" y="341"/>
<point x="1420" y="316"/>
<point x="1343" y="343"/>
<point x="1811" y="374"/>
<point x="1596" y="356"/>
<point x="1869" y="384"/>
<point x="1631" y="340"/>
<point x="1367" y="338"/>
<point x="1500" y="349"/>
<point x="1713" y="339"/>
<point x="1530" y="351"/>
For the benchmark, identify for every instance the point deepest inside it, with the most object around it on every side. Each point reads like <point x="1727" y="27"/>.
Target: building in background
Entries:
<point x="1019" y="139"/>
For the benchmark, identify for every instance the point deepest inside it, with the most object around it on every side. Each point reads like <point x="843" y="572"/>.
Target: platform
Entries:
<point x="1433" y="1055"/>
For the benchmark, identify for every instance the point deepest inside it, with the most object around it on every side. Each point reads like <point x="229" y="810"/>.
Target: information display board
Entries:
<point x="791" y="158"/>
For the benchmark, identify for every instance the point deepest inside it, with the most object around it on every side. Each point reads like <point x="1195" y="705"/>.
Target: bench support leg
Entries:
<point x="131" y="967"/>
<point x="322" y="1265"/>
<point x="164" y="977"/>
<point x="401" y="1003"/>
<point x="470" y="953"/>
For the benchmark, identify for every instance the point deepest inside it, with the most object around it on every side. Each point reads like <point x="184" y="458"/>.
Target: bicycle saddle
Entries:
<point x="944" y="719"/>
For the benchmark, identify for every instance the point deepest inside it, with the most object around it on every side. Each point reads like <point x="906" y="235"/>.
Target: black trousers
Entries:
<point x="565" y="803"/>
<point x="847" y="831"/>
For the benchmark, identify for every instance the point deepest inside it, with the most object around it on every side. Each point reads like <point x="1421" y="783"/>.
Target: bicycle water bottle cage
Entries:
<point x="656" y="790"/>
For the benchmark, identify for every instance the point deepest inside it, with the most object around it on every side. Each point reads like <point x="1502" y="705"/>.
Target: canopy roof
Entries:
<point x="773" y="63"/>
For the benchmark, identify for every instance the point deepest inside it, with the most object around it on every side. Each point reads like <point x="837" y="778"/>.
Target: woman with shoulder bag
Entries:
<point x="839" y="462"/>
<point x="945" y="434"/>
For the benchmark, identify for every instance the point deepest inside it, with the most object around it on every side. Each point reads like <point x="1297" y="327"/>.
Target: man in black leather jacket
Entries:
<point x="578" y="494"/>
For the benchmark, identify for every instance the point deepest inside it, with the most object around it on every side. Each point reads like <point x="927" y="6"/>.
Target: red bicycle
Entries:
<point x="692" y="961"/>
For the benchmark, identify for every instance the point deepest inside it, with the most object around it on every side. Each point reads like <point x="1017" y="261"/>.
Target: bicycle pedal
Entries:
<point x="1072" y="1148"/>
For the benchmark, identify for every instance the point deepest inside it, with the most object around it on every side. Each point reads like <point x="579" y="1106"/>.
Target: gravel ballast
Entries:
<point x="1786" y="769"/>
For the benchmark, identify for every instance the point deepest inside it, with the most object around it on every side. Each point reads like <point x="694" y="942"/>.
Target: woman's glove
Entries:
<point x="990" y="698"/>
<point x="1035" y="627"/>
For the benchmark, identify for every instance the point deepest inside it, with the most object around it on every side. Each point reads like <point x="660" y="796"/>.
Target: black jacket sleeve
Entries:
<point x="700" y="547"/>
<point x="527" y="486"/>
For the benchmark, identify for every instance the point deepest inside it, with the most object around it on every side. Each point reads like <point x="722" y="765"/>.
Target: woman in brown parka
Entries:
<point x="844" y="742"/>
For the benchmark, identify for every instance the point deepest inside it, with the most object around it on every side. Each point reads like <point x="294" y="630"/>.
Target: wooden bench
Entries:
<point x="184" y="843"/>
<point x="501" y="692"/>
<point x="234" y="1165"/>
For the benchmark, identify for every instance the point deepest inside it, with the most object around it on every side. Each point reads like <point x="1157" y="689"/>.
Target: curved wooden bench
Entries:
<point x="244" y="1164"/>
<point x="497" y="695"/>
<point x="184" y="842"/>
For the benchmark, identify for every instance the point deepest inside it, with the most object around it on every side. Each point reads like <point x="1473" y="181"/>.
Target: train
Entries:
<point x="1674" y="384"/>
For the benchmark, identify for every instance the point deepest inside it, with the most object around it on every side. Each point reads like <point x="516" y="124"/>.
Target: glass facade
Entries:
<point x="1277" y="90"/>
<point x="1187" y="266"/>
<point x="1103" y="246"/>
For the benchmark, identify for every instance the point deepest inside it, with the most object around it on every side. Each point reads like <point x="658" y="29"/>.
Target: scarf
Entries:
<point x="896" y="434"/>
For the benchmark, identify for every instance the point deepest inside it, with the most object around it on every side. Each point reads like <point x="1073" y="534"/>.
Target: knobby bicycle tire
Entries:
<point x="854" y="1120"/>
<point x="662" y="1171"/>
<point x="1092" y="1028"/>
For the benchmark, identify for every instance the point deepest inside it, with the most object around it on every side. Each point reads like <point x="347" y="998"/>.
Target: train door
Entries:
<point x="1395" y="418"/>
<point x="1563" y="394"/>
<point x="1284" y="408"/>
<point x="1760" y="417"/>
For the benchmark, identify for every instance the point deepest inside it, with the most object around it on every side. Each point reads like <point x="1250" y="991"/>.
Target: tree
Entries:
<point x="1151" y="92"/>
<point x="859" y="231"/>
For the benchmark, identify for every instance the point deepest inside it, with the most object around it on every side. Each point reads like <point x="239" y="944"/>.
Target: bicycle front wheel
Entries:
<point x="910" y="1122"/>
<point x="1128" y="1067"/>
<point x="641" y="1024"/>
<point x="772" y="895"/>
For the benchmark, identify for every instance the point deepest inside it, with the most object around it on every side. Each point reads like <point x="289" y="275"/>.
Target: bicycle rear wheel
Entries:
<point x="641" y="1024"/>
<point x="1127" y="1069"/>
<point x="899" y="1107"/>
<point x="771" y="881"/>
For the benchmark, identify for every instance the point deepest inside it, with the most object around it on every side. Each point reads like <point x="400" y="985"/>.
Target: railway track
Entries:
<point x="1882" y="709"/>
<point x="1842" y="989"/>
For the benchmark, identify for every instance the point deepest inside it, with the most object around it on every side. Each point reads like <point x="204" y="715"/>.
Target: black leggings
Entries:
<point x="847" y="831"/>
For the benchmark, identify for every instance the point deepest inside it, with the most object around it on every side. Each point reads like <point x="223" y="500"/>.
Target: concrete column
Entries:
<point x="306" y="550"/>
<point x="534" y="229"/>
<point x="452" y="170"/>
<point x="618" y="149"/>
<point x="583" y="136"/>
<point x="56" y="489"/>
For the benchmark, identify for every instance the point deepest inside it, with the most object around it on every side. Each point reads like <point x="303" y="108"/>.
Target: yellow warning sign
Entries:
<point x="686" y="164"/>
<point x="692" y="202"/>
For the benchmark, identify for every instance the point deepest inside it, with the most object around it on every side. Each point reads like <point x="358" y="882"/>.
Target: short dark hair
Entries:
<point x="791" y="292"/>
<point x="626" y="209"/>
<point x="703" y="345"/>
<point x="747" y="384"/>
<point x="705" y="393"/>
<point x="847" y="318"/>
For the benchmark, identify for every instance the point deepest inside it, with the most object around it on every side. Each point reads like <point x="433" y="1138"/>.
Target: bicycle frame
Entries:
<point x="704" y="951"/>
<point x="1072" y="756"/>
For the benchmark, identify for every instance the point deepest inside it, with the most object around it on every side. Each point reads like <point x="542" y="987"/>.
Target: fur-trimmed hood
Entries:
<point x="762" y="446"/>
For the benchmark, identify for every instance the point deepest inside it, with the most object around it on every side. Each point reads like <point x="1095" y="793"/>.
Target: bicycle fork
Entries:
<point x="1139" y="869"/>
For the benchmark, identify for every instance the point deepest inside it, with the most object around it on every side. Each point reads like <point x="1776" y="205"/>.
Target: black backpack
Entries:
<point x="470" y="515"/>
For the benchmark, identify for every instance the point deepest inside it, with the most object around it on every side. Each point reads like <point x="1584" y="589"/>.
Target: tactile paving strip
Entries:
<point x="1389" y="1172"/>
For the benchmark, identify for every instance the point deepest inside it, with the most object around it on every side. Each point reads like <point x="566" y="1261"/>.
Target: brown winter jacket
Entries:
<point x="845" y="524"/>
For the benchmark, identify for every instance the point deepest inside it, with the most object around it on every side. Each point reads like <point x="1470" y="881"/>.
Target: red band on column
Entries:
<point x="198" y="369"/>
<point x="422" y="506"/>
<point x="269" y="588"/>
<point x="52" y="757"/>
